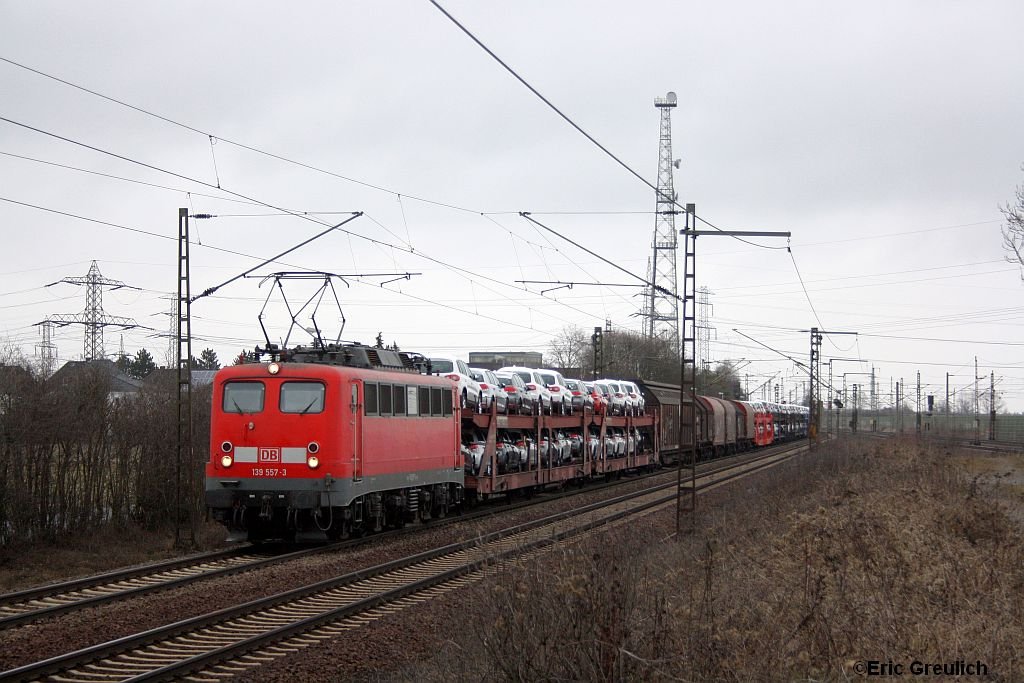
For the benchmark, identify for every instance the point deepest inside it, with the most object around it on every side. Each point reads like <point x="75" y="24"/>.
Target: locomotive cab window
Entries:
<point x="302" y="397"/>
<point x="243" y="397"/>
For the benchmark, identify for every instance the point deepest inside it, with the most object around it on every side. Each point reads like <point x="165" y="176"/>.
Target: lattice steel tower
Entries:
<point x="704" y="327"/>
<point x="92" y="318"/>
<point x="47" y="349"/>
<point x="661" y="306"/>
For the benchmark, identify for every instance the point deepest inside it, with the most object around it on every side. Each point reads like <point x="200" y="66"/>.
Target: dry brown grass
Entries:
<point x="871" y="552"/>
<point x="102" y="550"/>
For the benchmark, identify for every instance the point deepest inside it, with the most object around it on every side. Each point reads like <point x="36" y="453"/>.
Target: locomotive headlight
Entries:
<point x="274" y="368"/>
<point x="313" y="462"/>
<point x="226" y="460"/>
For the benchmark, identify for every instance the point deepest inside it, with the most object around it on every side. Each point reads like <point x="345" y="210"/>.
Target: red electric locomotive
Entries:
<point x="324" y="442"/>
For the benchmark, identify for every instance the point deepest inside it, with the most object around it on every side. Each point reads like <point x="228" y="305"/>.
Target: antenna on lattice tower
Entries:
<point x="661" y="308"/>
<point x="704" y="327"/>
<point x="93" y="318"/>
<point x="46" y="350"/>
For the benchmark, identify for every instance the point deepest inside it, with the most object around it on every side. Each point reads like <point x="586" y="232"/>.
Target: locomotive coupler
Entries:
<point x="266" y="511"/>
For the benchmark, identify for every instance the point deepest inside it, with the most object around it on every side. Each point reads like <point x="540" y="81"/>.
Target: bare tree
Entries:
<point x="723" y="380"/>
<point x="1013" y="231"/>
<point x="629" y="355"/>
<point x="570" y="350"/>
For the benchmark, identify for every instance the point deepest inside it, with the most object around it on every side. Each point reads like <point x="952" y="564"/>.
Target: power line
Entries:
<point x="568" y="120"/>
<point x="949" y="341"/>
<point x="213" y="137"/>
<point x="123" y="179"/>
<point x="644" y="280"/>
<point x="262" y="203"/>
<point x="237" y="253"/>
<point x="211" y="290"/>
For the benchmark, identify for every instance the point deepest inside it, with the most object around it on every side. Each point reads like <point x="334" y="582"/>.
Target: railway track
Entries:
<point x="51" y="600"/>
<point x="222" y="644"/>
<point x="55" y="598"/>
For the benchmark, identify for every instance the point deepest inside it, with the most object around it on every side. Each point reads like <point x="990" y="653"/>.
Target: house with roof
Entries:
<point x="76" y="371"/>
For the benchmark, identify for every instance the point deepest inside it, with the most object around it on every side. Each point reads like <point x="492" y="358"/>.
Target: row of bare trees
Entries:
<point x="73" y="459"/>
<point x="628" y="355"/>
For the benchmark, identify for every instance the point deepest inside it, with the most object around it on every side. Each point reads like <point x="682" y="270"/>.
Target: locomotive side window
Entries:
<point x="424" y="401"/>
<point x="411" y="394"/>
<point x="399" y="394"/>
<point x="243" y="397"/>
<point x="370" y="398"/>
<point x="435" y="401"/>
<point x="302" y="397"/>
<point x="385" y="399"/>
<point x="446" y="402"/>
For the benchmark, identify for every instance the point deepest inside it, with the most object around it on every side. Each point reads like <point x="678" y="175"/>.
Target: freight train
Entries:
<point x="326" y="442"/>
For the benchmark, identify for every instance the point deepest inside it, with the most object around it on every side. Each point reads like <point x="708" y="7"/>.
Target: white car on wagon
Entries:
<point x="458" y="371"/>
<point x="560" y="392"/>
<point x="536" y="388"/>
<point x="617" y="404"/>
<point x="633" y="392"/>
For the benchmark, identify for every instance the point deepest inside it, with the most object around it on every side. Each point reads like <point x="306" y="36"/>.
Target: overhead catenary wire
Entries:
<point x="68" y="167"/>
<point x="237" y="253"/>
<point x="262" y="203"/>
<point x="349" y="237"/>
<point x="644" y="280"/>
<point x="571" y="122"/>
<point x="211" y="137"/>
<point x="211" y="290"/>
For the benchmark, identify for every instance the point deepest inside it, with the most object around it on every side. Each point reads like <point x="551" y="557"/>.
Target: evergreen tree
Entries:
<point x="207" y="360"/>
<point x="141" y="365"/>
<point x="123" y="363"/>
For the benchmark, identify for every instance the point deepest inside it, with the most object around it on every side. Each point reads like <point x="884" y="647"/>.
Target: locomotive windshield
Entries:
<point x="243" y="397"/>
<point x="302" y="397"/>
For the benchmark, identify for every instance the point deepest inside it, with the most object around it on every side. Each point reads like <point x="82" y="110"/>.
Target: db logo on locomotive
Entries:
<point x="270" y="455"/>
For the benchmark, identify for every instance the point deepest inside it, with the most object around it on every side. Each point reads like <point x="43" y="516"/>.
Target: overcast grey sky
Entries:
<point x="884" y="135"/>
